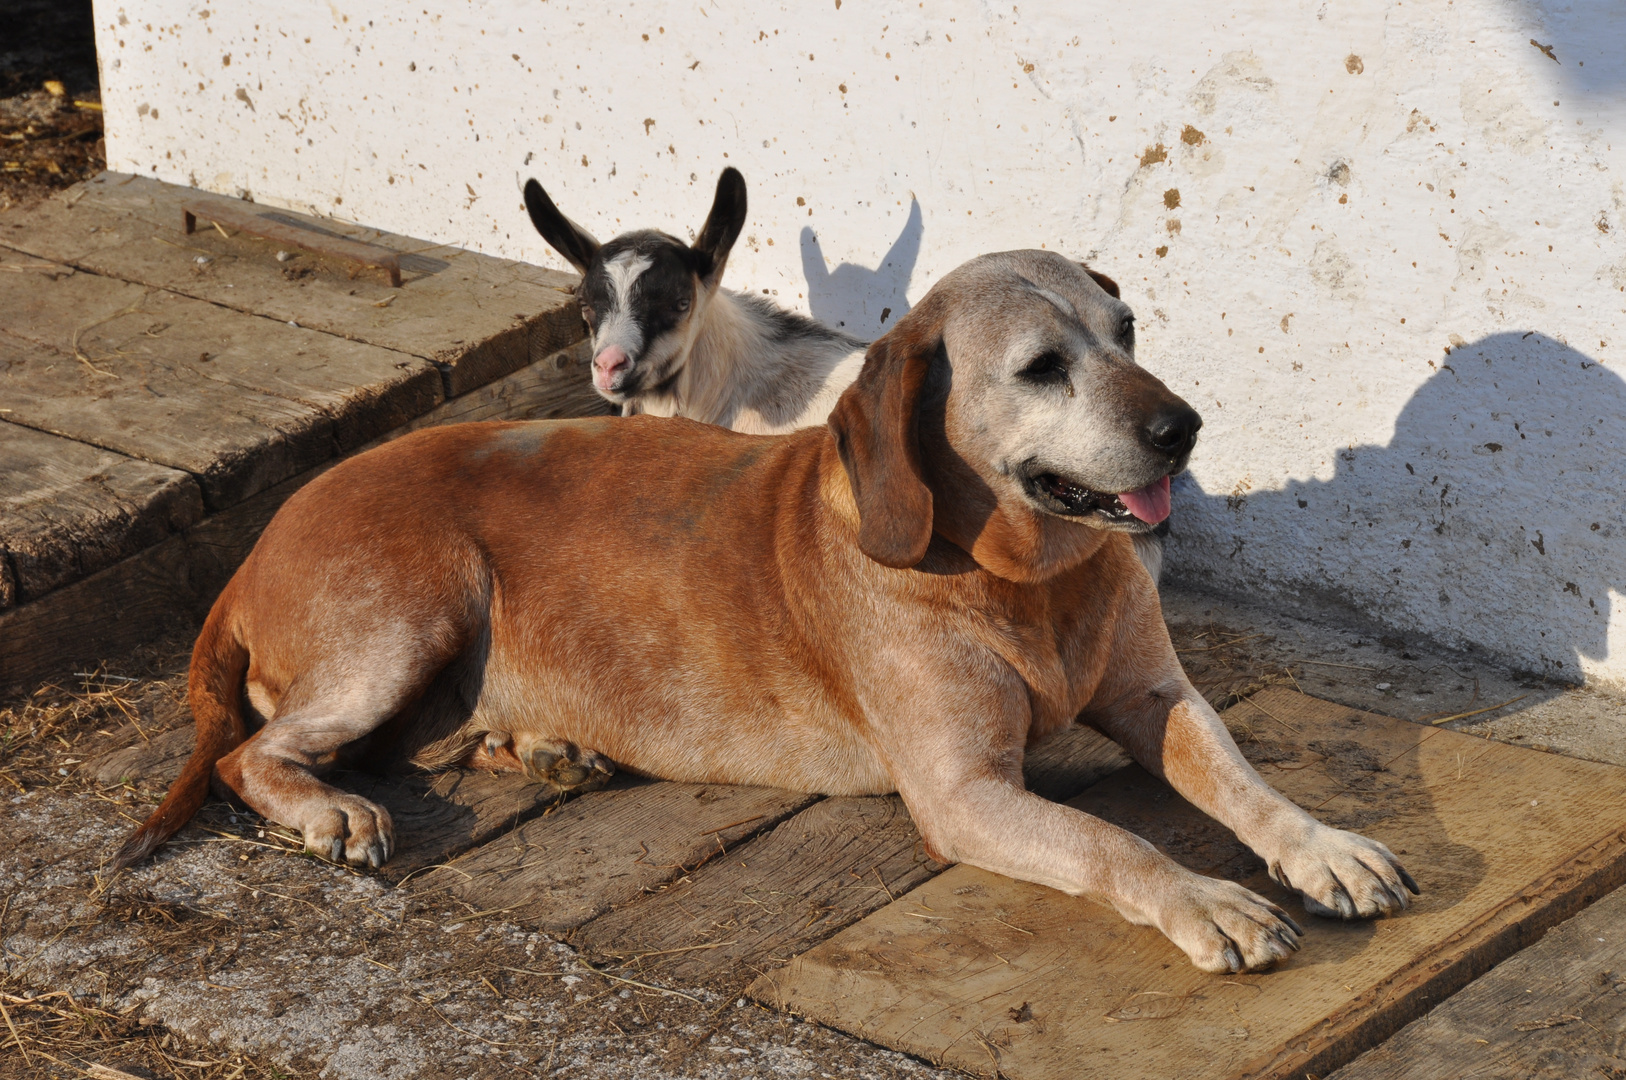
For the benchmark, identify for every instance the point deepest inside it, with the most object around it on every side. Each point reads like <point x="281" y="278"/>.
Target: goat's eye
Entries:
<point x="683" y="304"/>
<point x="1126" y="327"/>
<point x="587" y="313"/>
<point x="1048" y="367"/>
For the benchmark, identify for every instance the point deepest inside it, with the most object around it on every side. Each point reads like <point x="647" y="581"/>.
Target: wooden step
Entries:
<point x="239" y="403"/>
<point x="169" y="587"/>
<point x="992" y="975"/>
<point x="477" y="317"/>
<point x="68" y="510"/>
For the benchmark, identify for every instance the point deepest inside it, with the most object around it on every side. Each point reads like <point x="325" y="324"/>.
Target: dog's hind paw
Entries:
<point x="561" y="765"/>
<point x="349" y="829"/>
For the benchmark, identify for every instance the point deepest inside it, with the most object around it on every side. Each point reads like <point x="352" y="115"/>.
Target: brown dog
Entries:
<point x="902" y="601"/>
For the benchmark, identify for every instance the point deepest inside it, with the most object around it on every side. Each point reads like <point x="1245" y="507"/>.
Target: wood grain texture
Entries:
<point x="174" y="586"/>
<point x="445" y="814"/>
<point x="129" y="603"/>
<point x="814" y="874"/>
<point x="609" y="847"/>
<point x="68" y="510"/>
<point x="477" y="317"/>
<point x="239" y="403"/>
<point x="984" y="973"/>
<point x="1555" y="1011"/>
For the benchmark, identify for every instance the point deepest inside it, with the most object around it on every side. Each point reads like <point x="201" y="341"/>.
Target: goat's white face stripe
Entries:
<point x="618" y="326"/>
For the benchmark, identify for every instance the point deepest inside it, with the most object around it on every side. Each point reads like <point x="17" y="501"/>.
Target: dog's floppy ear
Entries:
<point x="876" y="426"/>
<point x="1108" y="286"/>
<point x="572" y="241"/>
<point x="722" y="226"/>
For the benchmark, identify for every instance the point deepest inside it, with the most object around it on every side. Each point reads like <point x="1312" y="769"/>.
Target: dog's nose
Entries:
<point x="1173" y="429"/>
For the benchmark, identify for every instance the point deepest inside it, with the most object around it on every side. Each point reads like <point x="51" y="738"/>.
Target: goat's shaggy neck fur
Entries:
<point x="755" y="367"/>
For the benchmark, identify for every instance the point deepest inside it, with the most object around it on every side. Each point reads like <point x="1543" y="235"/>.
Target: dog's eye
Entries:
<point x="1049" y="367"/>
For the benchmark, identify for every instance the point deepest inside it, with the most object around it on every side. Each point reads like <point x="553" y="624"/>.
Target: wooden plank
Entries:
<point x="445" y="814"/>
<point x="827" y="867"/>
<point x="68" y="510"/>
<point x="985" y="973"/>
<point x="174" y="584"/>
<point x="246" y="218"/>
<point x="240" y="403"/>
<point x="132" y="602"/>
<point x="1557" y="1009"/>
<point x="609" y="847"/>
<point x="476" y="316"/>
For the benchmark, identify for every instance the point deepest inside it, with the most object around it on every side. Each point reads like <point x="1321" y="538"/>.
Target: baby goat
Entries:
<point x="668" y="341"/>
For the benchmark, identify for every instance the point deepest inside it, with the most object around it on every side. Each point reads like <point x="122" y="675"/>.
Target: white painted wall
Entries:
<point x="1306" y="202"/>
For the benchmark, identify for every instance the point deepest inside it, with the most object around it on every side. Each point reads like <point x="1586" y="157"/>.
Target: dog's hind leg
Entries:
<point x="325" y="710"/>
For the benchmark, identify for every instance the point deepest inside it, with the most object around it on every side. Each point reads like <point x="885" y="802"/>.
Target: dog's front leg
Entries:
<point x="1173" y="732"/>
<point x="994" y="824"/>
<point x="958" y="767"/>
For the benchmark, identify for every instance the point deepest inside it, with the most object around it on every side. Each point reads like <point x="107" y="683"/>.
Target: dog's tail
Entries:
<point x="215" y="689"/>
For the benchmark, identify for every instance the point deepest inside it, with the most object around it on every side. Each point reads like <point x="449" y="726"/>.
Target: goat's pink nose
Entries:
<point x="609" y="361"/>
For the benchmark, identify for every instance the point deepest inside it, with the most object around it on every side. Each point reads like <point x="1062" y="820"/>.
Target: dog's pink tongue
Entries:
<point x="1150" y="503"/>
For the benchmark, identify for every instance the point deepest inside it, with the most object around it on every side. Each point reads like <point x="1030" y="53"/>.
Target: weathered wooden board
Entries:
<point x="68" y="510"/>
<point x="819" y="871"/>
<point x="1557" y="1010"/>
<point x="476" y="316"/>
<point x="239" y="403"/>
<point x="446" y="814"/>
<point x="609" y="847"/>
<point x="130" y="603"/>
<point x="174" y="584"/>
<point x="985" y="973"/>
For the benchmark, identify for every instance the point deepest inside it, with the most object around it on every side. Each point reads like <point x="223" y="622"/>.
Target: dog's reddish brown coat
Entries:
<point x="849" y="611"/>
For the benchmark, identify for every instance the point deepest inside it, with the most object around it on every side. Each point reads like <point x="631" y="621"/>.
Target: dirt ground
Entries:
<point x="50" y="99"/>
<point x="233" y="955"/>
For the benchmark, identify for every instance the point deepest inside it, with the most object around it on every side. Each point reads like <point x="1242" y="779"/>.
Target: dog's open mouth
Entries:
<point x="1148" y="505"/>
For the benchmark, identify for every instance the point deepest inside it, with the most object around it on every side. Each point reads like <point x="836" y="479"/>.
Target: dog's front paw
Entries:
<point x="1224" y="927"/>
<point x="1343" y="875"/>
<point x="349" y="829"/>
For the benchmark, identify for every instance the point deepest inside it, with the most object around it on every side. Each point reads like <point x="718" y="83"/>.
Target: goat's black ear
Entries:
<point x="572" y="241"/>
<point x="1108" y="286"/>
<point x="722" y="226"/>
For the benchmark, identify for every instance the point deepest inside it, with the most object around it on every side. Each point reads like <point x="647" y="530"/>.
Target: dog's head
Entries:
<point x="1006" y="413"/>
<point x="642" y="292"/>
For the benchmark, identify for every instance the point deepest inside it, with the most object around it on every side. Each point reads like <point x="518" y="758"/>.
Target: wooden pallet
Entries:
<point x="996" y="976"/>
